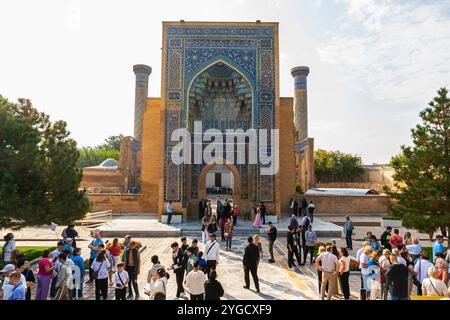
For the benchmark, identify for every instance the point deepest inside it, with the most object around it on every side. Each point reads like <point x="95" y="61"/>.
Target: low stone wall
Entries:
<point x="118" y="203"/>
<point x="349" y="204"/>
<point x="352" y="185"/>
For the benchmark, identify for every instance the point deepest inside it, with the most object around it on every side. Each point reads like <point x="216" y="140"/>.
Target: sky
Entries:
<point x="375" y="64"/>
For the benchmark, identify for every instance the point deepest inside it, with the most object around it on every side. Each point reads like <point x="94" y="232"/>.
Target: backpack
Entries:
<point x="160" y="295"/>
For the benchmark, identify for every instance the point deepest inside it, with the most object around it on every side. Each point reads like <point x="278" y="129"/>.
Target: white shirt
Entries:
<point x="311" y="206"/>
<point x="9" y="249"/>
<point x="212" y="251"/>
<point x="195" y="282"/>
<point x="8" y="288"/>
<point x="345" y="261"/>
<point x="122" y="281"/>
<point x="102" y="268"/>
<point x="421" y="268"/>
<point x="414" y="249"/>
<point x="158" y="286"/>
<point x="439" y="289"/>
<point x="364" y="258"/>
<point x="55" y="254"/>
<point x="384" y="262"/>
<point x="359" y="253"/>
<point x="329" y="261"/>
<point x="401" y="260"/>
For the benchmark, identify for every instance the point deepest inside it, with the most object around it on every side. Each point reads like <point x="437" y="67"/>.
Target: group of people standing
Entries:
<point x="395" y="264"/>
<point x="302" y="208"/>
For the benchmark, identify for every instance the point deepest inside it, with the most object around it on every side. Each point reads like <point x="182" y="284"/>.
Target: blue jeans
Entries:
<point x="348" y="239"/>
<point x="398" y="298"/>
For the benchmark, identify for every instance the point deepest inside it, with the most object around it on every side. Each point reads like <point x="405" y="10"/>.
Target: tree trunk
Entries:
<point x="430" y="235"/>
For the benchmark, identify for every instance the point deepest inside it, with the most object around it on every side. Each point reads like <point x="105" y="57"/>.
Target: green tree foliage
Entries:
<point x="94" y="156"/>
<point x="39" y="179"/>
<point x="336" y="166"/>
<point x="422" y="171"/>
<point x="111" y="143"/>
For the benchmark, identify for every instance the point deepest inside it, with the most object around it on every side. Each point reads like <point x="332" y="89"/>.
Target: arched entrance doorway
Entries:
<point x="213" y="168"/>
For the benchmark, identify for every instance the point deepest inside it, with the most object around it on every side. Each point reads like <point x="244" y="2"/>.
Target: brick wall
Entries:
<point x="349" y="204"/>
<point x="118" y="203"/>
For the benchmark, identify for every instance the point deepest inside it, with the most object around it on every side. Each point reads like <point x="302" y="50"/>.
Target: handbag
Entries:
<point x="95" y="273"/>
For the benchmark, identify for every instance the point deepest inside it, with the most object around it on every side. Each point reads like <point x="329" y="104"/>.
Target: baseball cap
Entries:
<point x="8" y="268"/>
<point x="69" y="239"/>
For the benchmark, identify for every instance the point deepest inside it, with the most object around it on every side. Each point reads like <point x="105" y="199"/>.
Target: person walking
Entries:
<point x="250" y="262"/>
<point x="213" y="288"/>
<point x="133" y="267"/>
<point x="329" y="268"/>
<point x="179" y="261"/>
<point x="310" y="241"/>
<point x="344" y="272"/>
<point x="94" y="247"/>
<point x="101" y="267"/>
<point x="212" y="227"/>
<point x="64" y="277"/>
<point x="121" y="280"/>
<point x="348" y="230"/>
<point x="397" y="279"/>
<point x="432" y="286"/>
<point x="222" y="223"/>
<point x="311" y="208"/>
<point x="44" y="275"/>
<point x="195" y="283"/>
<point x="77" y="290"/>
<point x="258" y="223"/>
<point x="228" y="234"/>
<point x="212" y="255"/>
<point x="292" y="246"/>
<point x="272" y="237"/>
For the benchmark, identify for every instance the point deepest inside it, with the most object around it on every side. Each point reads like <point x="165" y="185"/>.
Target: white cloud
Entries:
<point x="398" y="51"/>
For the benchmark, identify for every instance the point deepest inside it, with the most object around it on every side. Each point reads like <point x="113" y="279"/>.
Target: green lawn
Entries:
<point x="32" y="253"/>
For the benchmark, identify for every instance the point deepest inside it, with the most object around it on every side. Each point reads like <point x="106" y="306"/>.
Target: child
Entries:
<point x="191" y="260"/>
<point x="121" y="279"/>
<point x="201" y="261"/>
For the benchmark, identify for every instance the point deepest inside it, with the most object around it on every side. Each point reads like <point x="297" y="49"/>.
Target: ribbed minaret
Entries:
<point x="142" y="73"/>
<point x="300" y="75"/>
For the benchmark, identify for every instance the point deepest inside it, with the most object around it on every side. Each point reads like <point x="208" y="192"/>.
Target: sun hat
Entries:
<point x="8" y="268"/>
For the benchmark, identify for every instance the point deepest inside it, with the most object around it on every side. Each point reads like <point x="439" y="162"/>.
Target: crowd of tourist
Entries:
<point x="390" y="268"/>
<point x="395" y="267"/>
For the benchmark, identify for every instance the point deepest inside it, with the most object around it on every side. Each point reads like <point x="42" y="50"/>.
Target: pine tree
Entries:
<point x="39" y="179"/>
<point x="422" y="171"/>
